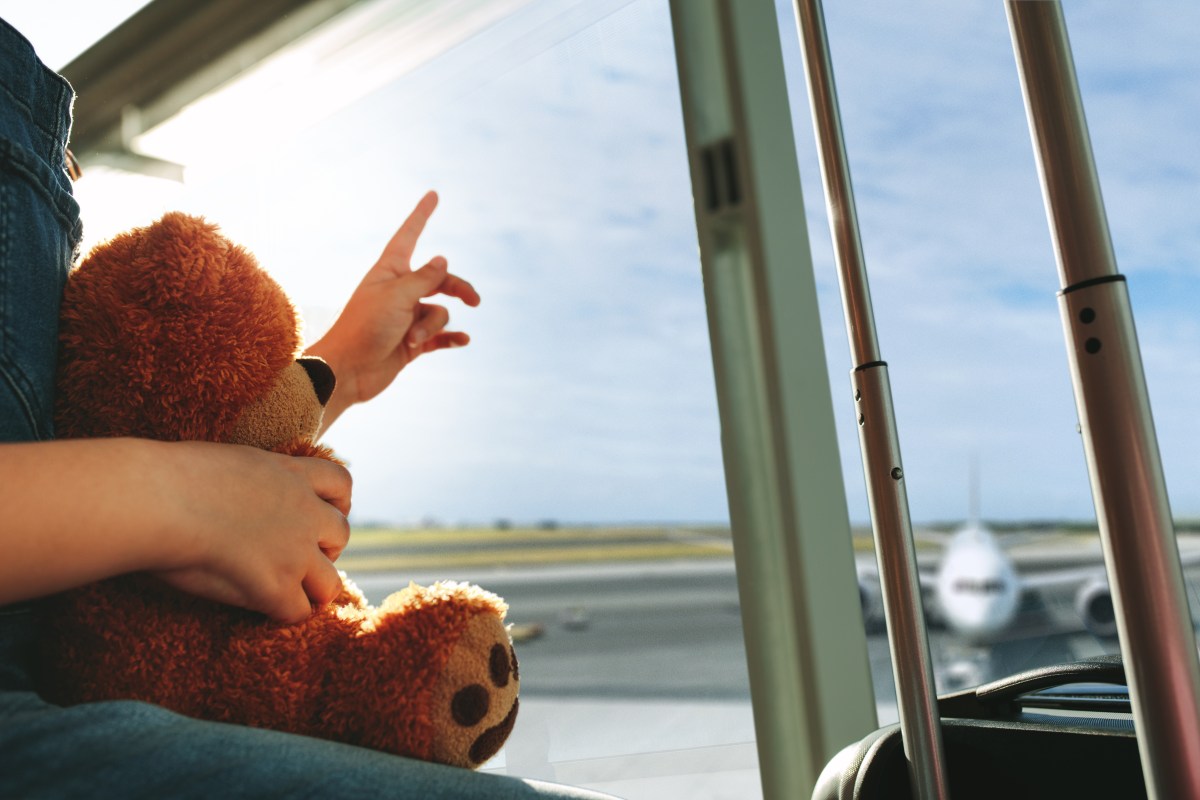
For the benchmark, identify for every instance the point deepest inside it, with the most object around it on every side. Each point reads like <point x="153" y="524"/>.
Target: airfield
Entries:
<point x="633" y="668"/>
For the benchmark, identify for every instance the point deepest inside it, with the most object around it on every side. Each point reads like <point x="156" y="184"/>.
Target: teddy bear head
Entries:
<point x="173" y="332"/>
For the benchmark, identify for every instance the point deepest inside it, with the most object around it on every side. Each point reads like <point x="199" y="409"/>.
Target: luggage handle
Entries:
<point x="916" y="700"/>
<point x="995" y="699"/>
<point x="1141" y="555"/>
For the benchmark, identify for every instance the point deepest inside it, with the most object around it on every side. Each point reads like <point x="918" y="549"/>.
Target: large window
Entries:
<point x="570" y="457"/>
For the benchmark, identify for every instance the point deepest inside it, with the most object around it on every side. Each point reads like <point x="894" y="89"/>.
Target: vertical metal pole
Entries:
<point x="915" y="694"/>
<point x="1158" y="642"/>
<point x="806" y="647"/>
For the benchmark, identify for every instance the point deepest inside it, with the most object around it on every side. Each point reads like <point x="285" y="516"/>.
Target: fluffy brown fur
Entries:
<point x="171" y="332"/>
<point x="168" y="332"/>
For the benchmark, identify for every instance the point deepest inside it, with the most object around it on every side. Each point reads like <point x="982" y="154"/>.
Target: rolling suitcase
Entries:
<point x="1115" y="727"/>
<point x="1062" y="731"/>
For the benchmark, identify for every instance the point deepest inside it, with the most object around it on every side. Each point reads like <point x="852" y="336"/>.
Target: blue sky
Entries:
<point x="955" y="236"/>
<point x="556" y="142"/>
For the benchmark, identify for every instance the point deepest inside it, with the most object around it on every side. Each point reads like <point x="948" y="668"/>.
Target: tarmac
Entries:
<point x="633" y="666"/>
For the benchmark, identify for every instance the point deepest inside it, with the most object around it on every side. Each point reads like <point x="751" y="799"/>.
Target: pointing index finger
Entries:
<point x="397" y="255"/>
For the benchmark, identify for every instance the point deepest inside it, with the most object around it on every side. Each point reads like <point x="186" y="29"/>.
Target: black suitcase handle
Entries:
<point x="999" y="699"/>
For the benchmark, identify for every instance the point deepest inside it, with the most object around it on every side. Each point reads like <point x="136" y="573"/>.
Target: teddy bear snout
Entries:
<point x="291" y="410"/>
<point x="321" y="375"/>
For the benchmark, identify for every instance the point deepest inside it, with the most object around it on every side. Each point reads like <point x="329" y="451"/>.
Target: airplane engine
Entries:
<point x="1093" y="603"/>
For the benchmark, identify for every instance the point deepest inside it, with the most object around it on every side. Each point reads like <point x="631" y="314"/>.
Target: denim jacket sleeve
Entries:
<point x="39" y="234"/>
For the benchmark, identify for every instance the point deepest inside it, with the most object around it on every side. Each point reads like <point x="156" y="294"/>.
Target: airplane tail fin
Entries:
<point x="973" y="513"/>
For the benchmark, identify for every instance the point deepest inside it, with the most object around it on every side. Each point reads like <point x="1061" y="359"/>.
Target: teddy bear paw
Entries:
<point x="475" y="702"/>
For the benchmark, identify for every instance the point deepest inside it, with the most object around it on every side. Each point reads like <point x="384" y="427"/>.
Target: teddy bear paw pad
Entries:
<point x="478" y="695"/>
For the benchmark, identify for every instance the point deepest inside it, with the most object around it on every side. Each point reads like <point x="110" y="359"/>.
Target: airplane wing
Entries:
<point x="1087" y="564"/>
<point x="1058" y="579"/>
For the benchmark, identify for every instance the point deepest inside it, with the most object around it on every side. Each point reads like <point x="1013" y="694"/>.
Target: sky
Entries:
<point x="554" y="137"/>
<point x="957" y="245"/>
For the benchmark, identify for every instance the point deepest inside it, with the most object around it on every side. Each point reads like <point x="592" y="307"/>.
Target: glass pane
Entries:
<point x="569" y="458"/>
<point x="964" y="280"/>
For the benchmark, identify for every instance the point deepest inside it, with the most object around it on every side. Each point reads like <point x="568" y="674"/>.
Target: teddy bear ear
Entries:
<point x="184" y="259"/>
<point x="168" y="331"/>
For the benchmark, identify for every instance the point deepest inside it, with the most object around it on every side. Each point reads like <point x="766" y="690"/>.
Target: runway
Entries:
<point x="634" y="678"/>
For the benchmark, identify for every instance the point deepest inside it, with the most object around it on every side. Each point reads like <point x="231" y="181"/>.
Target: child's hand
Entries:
<point x="252" y="528"/>
<point x="385" y="326"/>
<point x="226" y="522"/>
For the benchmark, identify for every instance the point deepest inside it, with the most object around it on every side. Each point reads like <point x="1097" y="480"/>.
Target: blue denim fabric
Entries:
<point x="39" y="231"/>
<point x="134" y="750"/>
<point x="128" y="749"/>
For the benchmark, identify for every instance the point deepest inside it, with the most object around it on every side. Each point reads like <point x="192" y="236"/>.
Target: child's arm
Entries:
<point x="230" y="523"/>
<point x="384" y="326"/>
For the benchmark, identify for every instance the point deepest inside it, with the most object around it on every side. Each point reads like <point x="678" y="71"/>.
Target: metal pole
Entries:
<point x="1158" y="642"/>
<point x="916" y="698"/>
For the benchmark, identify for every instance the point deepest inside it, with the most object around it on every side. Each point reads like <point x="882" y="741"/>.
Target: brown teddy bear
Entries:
<point x="172" y="332"/>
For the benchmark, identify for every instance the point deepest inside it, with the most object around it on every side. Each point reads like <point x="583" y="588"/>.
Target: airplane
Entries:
<point x="978" y="589"/>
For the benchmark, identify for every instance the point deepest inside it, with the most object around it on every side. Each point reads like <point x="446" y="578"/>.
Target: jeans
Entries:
<point x="122" y="748"/>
